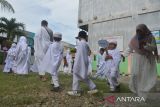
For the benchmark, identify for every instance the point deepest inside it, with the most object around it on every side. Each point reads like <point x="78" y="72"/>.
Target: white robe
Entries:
<point x="41" y="45"/>
<point x="113" y="73"/>
<point x="109" y="66"/>
<point x="81" y="63"/>
<point x="52" y="59"/>
<point x="28" y="61"/>
<point x="69" y="61"/>
<point x="10" y="58"/>
<point x="101" y="67"/>
<point x="80" y="68"/>
<point x="143" y="73"/>
<point x="22" y="57"/>
<point x="116" y="55"/>
<point x="90" y="65"/>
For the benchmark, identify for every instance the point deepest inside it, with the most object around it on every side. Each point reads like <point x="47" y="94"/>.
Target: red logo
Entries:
<point x="109" y="99"/>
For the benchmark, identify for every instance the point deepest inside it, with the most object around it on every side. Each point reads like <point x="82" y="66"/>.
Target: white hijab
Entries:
<point x="22" y="42"/>
<point x="12" y="50"/>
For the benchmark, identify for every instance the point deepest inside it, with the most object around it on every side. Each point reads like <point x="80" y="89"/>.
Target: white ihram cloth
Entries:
<point x="41" y="45"/>
<point x="10" y="58"/>
<point x="116" y="55"/>
<point x="101" y="67"/>
<point x="143" y="71"/>
<point x="52" y="61"/>
<point x="90" y="65"/>
<point x="22" y="57"/>
<point x="69" y="61"/>
<point x="113" y="72"/>
<point x="80" y="68"/>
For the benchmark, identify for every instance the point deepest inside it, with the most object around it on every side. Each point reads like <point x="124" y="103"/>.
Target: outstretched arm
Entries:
<point x="127" y="52"/>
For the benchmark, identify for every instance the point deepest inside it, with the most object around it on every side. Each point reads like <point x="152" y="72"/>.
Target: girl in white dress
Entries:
<point x="10" y="58"/>
<point x="100" y="65"/>
<point x="22" y="57"/>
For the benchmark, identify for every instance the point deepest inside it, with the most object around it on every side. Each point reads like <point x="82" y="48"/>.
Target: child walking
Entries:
<point x="113" y="60"/>
<point x="80" y="69"/>
<point x="52" y="60"/>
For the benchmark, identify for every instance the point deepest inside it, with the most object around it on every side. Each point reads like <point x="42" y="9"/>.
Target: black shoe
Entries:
<point x="118" y="88"/>
<point x="108" y="83"/>
<point x="56" y="89"/>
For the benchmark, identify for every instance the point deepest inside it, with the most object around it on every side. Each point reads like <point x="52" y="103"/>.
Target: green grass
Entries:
<point x="21" y="91"/>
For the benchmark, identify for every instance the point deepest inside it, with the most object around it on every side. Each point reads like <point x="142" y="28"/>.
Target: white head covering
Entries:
<point x="57" y="35"/>
<point x="22" y="42"/>
<point x="13" y="45"/>
<point x="22" y="39"/>
<point x="113" y="41"/>
<point x="12" y="50"/>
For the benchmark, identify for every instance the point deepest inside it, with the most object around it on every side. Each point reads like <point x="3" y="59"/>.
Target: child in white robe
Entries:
<point x="52" y="60"/>
<point x="68" y="64"/>
<point x="65" y="66"/>
<point x="22" y="57"/>
<point x="10" y="58"/>
<point x="113" y="60"/>
<point x="100" y="65"/>
<point x="80" y="69"/>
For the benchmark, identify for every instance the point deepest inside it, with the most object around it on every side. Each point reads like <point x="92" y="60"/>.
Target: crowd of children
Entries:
<point x="49" y="59"/>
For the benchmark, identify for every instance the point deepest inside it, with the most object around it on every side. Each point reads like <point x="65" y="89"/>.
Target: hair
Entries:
<point x="44" y="23"/>
<point x="84" y="37"/>
<point x="57" y="39"/>
<point x="114" y="44"/>
<point x="102" y="49"/>
<point x="64" y="57"/>
<point x="83" y="34"/>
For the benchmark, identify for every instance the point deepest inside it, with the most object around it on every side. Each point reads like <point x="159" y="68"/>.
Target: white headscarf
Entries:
<point x="22" y="42"/>
<point x="12" y="50"/>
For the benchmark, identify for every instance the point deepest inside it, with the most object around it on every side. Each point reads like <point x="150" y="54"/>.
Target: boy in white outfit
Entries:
<point x="113" y="59"/>
<point x="80" y="69"/>
<point x="52" y="60"/>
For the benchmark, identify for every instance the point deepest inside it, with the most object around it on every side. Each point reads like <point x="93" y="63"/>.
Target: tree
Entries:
<point x="11" y="28"/>
<point x="6" y="5"/>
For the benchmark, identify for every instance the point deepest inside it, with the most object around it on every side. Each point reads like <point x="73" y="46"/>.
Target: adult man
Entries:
<point x="42" y="41"/>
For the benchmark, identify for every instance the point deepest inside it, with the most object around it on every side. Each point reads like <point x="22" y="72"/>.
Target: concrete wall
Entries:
<point x="117" y="18"/>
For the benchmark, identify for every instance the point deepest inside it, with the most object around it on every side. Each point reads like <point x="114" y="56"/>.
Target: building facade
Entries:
<point x="117" y="19"/>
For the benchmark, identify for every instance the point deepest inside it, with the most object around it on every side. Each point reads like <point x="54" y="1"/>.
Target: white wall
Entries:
<point x="117" y="18"/>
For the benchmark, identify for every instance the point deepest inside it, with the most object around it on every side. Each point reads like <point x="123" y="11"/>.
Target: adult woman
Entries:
<point x="143" y="71"/>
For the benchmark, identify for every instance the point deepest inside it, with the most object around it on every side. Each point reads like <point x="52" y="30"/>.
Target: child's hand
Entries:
<point x="123" y="58"/>
<point x="108" y="57"/>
